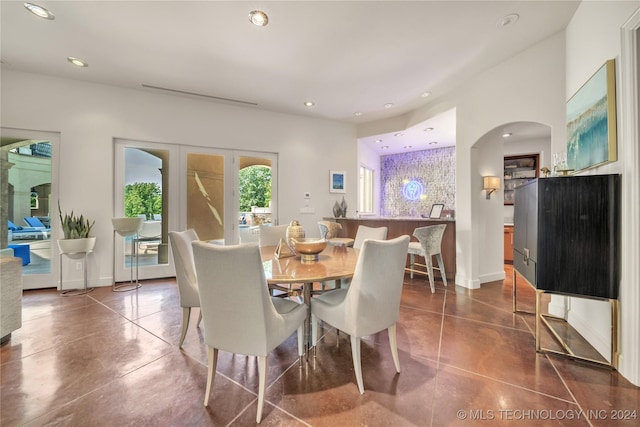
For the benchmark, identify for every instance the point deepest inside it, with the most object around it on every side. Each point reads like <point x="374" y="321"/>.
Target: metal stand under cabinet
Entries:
<point x="566" y="242"/>
<point x="74" y="292"/>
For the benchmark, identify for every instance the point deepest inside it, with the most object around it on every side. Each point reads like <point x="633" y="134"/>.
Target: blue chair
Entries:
<point x="35" y="222"/>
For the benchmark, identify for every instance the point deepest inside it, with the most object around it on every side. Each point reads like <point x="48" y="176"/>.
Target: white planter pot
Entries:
<point x="76" y="246"/>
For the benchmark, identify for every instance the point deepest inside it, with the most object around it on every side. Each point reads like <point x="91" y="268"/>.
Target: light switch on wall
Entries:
<point x="307" y="196"/>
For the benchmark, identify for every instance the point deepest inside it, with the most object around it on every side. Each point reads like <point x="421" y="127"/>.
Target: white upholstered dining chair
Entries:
<point x="371" y="303"/>
<point x="239" y="315"/>
<point x="185" y="275"/>
<point x="429" y="244"/>
<point x="270" y="235"/>
<point x="364" y="232"/>
<point x="330" y="231"/>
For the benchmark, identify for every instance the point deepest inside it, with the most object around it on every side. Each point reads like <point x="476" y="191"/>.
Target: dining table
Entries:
<point x="334" y="263"/>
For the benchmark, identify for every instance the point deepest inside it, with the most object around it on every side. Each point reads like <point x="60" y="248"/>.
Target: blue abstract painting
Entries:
<point x="591" y="121"/>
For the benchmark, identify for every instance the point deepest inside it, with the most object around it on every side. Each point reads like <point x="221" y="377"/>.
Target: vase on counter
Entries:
<point x="343" y="208"/>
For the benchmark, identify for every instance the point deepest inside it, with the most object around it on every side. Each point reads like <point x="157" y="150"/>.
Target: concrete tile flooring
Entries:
<point x="111" y="359"/>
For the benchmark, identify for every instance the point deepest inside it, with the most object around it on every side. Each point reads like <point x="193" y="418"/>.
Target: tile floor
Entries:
<point x="111" y="359"/>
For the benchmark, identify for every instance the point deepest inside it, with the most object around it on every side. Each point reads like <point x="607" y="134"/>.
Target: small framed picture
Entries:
<point x="436" y="211"/>
<point x="337" y="182"/>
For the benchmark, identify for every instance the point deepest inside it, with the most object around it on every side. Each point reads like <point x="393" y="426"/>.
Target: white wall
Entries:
<point x="89" y="116"/>
<point x="587" y="51"/>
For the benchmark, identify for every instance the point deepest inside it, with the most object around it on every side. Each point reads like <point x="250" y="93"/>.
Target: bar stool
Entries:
<point x="330" y="230"/>
<point x="126" y="227"/>
<point x="428" y="245"/>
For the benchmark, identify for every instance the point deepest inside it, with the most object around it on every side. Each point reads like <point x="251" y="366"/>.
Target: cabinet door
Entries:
<point x="508" y="243"/>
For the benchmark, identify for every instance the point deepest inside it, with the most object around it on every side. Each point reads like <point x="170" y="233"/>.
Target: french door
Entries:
<point x="198" y="188"/>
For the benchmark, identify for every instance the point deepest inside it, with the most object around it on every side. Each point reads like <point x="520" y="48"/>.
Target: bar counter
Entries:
<point x="399" y="226"/>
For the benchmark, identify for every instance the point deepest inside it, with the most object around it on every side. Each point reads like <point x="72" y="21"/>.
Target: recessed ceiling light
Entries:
<point x="378" y="141"/>
<point x="428" y="129"/>
<point x="384" y="147"/>
<point x="425" y="94"/>
<point x="433" y="142"/>
<point x="388" y="105"/>
<point x="259" y="18"/>
<point x="398" y="134"/>
<point x="309" y="104"/>
<point x="508" y="20"/>
<point x="39" y="11"/>
<point x="506" y="134"/>
<point x="77" y="62"/>
<point x="357" y="114"/>
<point x="407" y="146"/>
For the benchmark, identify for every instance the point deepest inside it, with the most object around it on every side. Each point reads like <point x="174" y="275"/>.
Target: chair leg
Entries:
<point x="314" y="333"/>
<point x="393" y="343"/>
<point x="199" y="319"/>
<point x="186" y="312"/>
<point x="262" y="373"/>
<point x="355" y="354"/>
<point x="212" y="356"/>
<point x="443" y="274"/>
<point x="301" y="343"/>
<point x="412" y="261"/>
<point x="429" y="262"/>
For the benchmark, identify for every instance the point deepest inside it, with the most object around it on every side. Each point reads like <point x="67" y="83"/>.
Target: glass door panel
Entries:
<point x="142" y="190"/>
<point x="28" y="186"/>
<point x="205" y="182"/>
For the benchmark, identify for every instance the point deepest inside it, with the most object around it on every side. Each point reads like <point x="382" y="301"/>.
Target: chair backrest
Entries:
<point x="33" y="221"/>
<point x="430" y="238"/>
<point x="185" y="267"/>
<point x="237" y="311"/>
<point x="364" y="232"/>
<point x="329" y="229"/>
<point x="270" y="235"/>
<point x="151" y="229"/>
<point x="372" y="302"/>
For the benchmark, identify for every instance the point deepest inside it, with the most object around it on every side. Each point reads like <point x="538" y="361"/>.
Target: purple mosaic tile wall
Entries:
<point x="413" y="182"/>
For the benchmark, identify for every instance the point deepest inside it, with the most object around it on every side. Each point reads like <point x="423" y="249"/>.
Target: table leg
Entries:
<point x="306" y="295"/>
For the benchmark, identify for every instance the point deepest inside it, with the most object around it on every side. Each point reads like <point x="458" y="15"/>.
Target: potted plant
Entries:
<point x="76" y="233"/>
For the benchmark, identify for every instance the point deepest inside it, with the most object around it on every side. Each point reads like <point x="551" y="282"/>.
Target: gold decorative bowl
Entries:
<point x="309" y="248"/>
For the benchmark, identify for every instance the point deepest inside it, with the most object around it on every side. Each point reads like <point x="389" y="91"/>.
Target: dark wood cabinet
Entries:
<point x="567" y="234"/>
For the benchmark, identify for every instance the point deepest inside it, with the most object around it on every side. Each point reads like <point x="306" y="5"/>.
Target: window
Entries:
<point x="365" y="203"/>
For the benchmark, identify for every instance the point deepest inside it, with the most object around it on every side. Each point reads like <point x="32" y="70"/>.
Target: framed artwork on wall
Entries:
<point x="337" y="182"/>
<point x="591" y="121"/>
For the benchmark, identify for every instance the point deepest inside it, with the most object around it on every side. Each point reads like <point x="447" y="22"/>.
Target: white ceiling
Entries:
<point x="347" y="56"/>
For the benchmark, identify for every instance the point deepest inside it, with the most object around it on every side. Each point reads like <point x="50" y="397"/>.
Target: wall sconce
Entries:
<point x="490" y="184"/>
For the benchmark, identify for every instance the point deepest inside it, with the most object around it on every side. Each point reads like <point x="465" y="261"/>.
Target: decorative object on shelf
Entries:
<point x="337" y="210"/>
<point x="546" y="171"/>
<point x="294" y="230"/>
<point x="343" y="208"/>
<point x="337" y="182"/>
<point x="591" y="121"/>
<point x="436" y="211"/>
<point x="490" y="184"/>
<point x="309" y="249"/>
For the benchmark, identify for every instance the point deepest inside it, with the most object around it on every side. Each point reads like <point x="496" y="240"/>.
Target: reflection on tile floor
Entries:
<point x="110" y="359"/>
